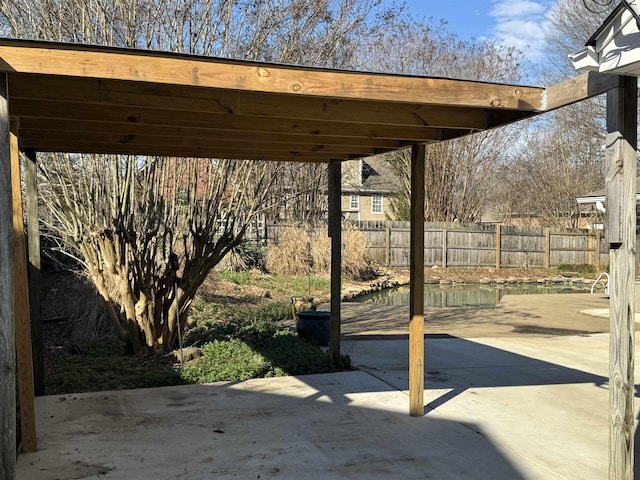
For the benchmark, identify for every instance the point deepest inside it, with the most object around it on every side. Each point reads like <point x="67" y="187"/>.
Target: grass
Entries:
<point x="581" y="269"/>
<point x="103" y="365"/>
<point x="241" y="336"/>
<point x="239" y="329"/>
<point x="240" y="343"/>
<point x="290" y="284"/>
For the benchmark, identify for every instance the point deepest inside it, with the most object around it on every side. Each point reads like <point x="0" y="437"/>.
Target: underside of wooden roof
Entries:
<point x="87" y="99"/>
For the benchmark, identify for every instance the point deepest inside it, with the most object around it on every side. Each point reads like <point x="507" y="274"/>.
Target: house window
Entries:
<point x="354" y="202"/>
<point x="376" y="204"/>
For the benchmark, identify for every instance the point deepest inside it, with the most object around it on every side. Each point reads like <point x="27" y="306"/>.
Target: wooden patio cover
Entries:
<point x="87" y="99"/>
<point x="77" y="98"/>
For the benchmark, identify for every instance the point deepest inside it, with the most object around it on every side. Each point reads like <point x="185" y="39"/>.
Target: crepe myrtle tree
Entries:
<point x="129" y="217"/>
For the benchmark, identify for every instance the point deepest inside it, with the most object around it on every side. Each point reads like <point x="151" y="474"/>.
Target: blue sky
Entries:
<point x="517" y="23"/>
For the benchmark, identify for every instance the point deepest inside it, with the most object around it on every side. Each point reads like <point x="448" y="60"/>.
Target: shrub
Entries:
<point x="258" y="354"/>
<point x="71" y="295"/>
<point x="298" y="253"/>
<point x="290" y="255"/>
<point x="245" y="256"/>
<point x="355" y="264"/>
<point x="251" y="345"/>
<point x="279" y="355"/>
<point x="225" y="360"/>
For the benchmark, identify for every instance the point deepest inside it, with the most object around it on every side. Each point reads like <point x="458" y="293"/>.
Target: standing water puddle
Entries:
<point x="465" y="296"/>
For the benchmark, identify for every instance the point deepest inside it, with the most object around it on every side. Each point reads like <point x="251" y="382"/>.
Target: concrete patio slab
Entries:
<point x="543" y="399"/>
<point x="531" y="404"/>
<point x="343" y="425"/>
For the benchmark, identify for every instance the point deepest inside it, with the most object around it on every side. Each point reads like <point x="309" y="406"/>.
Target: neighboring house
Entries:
<point x="367" y="188"/>
<point x="615" y="46"/>
<point x="598" y="203"/>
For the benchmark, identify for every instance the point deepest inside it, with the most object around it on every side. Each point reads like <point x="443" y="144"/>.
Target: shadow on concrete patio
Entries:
<point x="343" y="425"/>
<point x="545" y="399"/>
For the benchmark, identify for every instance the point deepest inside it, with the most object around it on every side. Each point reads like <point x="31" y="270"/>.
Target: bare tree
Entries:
<point x="313" y="32"/>
<point x="562" y="158"/>
<point x="160" y="222"/>
<point x="458" y="178"/>
<point x="150" y="231"/>
<point x="563" y="155"/>
<point x="571" y="23"/>
<point x="457" y="171"/>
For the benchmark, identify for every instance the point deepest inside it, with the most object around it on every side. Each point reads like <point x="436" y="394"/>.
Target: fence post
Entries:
<point x="547" y="248"/>
<point x="444" y="248"/>
<point x="598" y="251"/>
<point x="388" y="245"/>
<point x="498" y="245"/>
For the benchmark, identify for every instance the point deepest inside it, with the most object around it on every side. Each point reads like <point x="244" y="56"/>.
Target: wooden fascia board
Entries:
<point x="32" y="57"/>
<point x="246" y="103"/>
<point x="579" y="88"/>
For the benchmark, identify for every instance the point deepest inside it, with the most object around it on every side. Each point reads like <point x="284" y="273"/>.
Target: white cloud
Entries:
<point x="520" y="24"/>
<point x="517" y="9"/>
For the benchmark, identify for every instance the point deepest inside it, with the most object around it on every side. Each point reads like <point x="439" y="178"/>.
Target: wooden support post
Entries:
<point x="24" y="359"/>
<point x="547" y="248"/>
<point x="7" y="322"/>
<point x="35" y="275"/>
<point x="590" y="259"/>
<point x="335" y="232"/>
<point x="416" y="284"/>
<point x="498" y="246"/>
<point x="621" y="211"/>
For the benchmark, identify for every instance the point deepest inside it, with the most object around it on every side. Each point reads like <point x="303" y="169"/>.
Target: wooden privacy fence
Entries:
<point x="483" y="245"/>
<point x="477" y="245"/>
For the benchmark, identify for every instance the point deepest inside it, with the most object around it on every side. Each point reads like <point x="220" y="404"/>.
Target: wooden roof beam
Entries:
<point x="579" y="88"/>
<point x="57" y="111"/>
<point x="224" y="102"/>
<point x="42" y="129"/>
<point x="193" y="151"/>
<point x="33" y="138"/>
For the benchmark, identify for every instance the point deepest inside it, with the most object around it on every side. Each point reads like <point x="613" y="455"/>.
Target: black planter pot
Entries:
<point x="314" y="325"/>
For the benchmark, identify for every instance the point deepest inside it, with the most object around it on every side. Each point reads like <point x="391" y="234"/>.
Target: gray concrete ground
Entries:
<point x="526" y="400"/>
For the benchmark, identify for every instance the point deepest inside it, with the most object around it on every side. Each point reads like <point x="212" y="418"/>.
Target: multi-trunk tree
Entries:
<point x="149" y="230"/>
